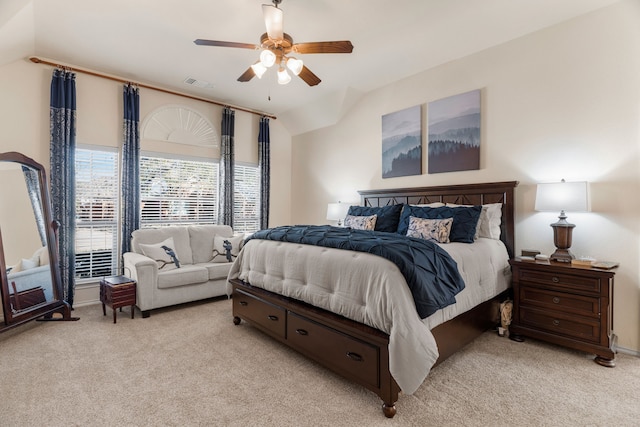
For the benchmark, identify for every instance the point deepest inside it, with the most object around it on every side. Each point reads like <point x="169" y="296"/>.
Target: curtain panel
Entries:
<point x="264" y="161"/>
<point x="130" y="196"/>
<point x="225" y="211"/>
<point x="33" y="188"/>
<point x="62" y="175"/>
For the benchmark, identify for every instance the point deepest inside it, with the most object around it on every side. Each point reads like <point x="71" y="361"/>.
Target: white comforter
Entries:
<point x="372" y="290"/>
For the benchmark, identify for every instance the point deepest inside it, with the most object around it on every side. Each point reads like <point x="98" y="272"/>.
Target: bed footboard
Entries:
<point x="355" y="351"/>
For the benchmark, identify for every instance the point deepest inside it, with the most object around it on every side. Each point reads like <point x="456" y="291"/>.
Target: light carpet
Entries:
<point x="190" y="366"/>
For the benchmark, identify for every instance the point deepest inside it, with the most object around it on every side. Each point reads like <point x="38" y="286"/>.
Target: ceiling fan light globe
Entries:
<point x="259" y="69"/>
<point x="295" y="65"/>
<point x="267" y="58"/>
<point x="283" y="76"/>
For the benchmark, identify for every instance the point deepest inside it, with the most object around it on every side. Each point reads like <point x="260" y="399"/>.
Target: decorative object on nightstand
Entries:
<point x="117" y="292"/>
<point x="337" y="212"/>
<point x="565" y="305"/>
<point x="562" y="196"/>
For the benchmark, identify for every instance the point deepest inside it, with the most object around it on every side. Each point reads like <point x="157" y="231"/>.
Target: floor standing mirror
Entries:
<point x="30" y="281"/>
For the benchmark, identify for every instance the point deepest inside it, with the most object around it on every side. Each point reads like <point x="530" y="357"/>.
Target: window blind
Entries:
<point x="96" y="212"/>
<point x="177" y="191"/>
<point x="246" y="201"/>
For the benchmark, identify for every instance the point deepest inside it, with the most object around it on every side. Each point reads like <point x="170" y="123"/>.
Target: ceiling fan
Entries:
<point x="276" y="45"/>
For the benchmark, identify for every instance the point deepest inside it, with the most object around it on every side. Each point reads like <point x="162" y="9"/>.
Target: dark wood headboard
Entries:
<point x="465" y="194"/>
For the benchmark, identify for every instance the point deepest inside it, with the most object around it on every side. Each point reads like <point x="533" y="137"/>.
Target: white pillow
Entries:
<point x="430" y="229"/>
<point x="220" y="251"/>
<point x="431" y="205"/>
<point x="158" y="254"/>
<point x="27" y="264"/>
<point x="489" y="221"/>
<point x="361" y="222"/>
<point x="43" y="255"/>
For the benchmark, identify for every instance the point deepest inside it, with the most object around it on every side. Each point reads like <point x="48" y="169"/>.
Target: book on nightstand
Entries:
<point x="582" y="262"/>
<point x="606" y="265"/>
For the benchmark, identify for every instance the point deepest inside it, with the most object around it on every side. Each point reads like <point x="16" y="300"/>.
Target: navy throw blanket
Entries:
<point x="432" y="275"/>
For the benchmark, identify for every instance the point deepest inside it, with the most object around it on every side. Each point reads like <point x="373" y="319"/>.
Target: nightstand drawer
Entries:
<point x="559" y="323"/>
<point x="559" y="301"/>
<point x="576" y="282"/>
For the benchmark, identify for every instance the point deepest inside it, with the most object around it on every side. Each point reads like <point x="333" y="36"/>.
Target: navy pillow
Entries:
<point x="388" y="216"/>
<point x="465" y="220"/>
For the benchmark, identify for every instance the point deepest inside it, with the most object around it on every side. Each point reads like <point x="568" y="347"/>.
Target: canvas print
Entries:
<point x="402" y="143"/>
<point x="454" y="133"/>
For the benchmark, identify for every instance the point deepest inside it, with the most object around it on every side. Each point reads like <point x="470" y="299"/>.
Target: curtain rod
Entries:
<point x="37" y="60"/>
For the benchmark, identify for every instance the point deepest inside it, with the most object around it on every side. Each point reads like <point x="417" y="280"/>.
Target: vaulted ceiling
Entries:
<point x="151" y="41"/>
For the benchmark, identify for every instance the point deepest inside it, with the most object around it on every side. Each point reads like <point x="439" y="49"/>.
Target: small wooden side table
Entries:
<point x="117" y="292"/>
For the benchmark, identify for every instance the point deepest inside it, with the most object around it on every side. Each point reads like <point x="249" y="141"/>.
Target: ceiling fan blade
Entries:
<point x="247" y="75"/>
<point x="310" y="78"/>
<point x="343" y="46"/>
<point x="273" y="18"/>
<point x="203" y="42"/>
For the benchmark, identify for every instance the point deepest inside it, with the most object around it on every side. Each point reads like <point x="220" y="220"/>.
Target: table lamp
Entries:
<point x="337" y="212"/>
<point x="562" y="196"/>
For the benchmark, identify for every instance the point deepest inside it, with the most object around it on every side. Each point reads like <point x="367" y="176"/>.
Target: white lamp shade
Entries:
<point x="258" y="69"/>
<point x="295" y="65"/>
<point x="283" y="76"/>
<point x="267" y="58"/>
<point x="337" y="211"/>
<point x="562" y="196"/>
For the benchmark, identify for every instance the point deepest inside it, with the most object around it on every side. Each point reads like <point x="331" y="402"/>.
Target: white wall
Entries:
<point x="560" y="103"/>
<point x="24" y="120"/>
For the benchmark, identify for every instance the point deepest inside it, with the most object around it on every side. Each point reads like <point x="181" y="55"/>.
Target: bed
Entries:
<point x="375" y="336"/>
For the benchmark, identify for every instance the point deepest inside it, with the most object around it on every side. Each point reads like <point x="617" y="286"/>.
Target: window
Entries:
<point x="246" y="198"/>
<point x="176" y="191"/>
<point x="97" y="193"/>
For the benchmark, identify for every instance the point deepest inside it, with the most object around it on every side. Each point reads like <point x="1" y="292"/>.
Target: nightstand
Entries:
<point x="117" y="292"/>
<point x="564" y="305"/>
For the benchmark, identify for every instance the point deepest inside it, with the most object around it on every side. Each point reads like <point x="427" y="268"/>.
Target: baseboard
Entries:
<point x="628" y="351"/>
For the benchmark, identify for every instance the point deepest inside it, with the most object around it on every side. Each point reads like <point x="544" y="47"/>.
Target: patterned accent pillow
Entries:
<point x="388" y="216"/>
<point x="226" y="249"/>
<point x="430" y="229"/>
<point x="465" y="220"/>
<point x="159" y="254"/>
<point x="361" y="222"/>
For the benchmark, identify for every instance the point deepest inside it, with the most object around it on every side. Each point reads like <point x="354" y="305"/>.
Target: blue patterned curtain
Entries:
<point x="225" y="214"/>
<point x="33" y="188"/>
<point x="130" y="166"/>
<point x="62" y="157"/>
<point x="264" y="156"/>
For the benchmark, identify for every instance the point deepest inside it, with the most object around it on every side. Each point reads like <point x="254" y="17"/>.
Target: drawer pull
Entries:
<point x="301" y="332"/>
<point x="354" y="356"/>
<point x="556" y="300"/>
<point x="244" y="303"/>
<point x="555" y="279"/>
<point x="556" y="322"/>
<point x="272" y="317"/>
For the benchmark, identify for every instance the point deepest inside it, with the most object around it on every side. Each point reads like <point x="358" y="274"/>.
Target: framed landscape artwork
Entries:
<point x="454" y="133"/>
<point x="402" y="143"/>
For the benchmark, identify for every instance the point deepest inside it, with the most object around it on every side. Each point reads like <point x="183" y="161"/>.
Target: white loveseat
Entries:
<point x="203" y="264"/>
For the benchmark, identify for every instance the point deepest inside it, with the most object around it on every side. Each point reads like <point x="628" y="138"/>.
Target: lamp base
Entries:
<point x="562" y="231"/>
<point x="562" y="255"/>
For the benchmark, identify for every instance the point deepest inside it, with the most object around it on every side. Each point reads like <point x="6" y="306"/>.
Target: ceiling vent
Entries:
<point x="198" y="83"/>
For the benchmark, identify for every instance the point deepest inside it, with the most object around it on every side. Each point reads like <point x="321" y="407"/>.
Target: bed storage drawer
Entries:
<point x="342" y="352"/>
<point x="263" y="314"/>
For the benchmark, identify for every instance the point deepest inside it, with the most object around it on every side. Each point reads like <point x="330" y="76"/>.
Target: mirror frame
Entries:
<point x="57" y="305"/>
